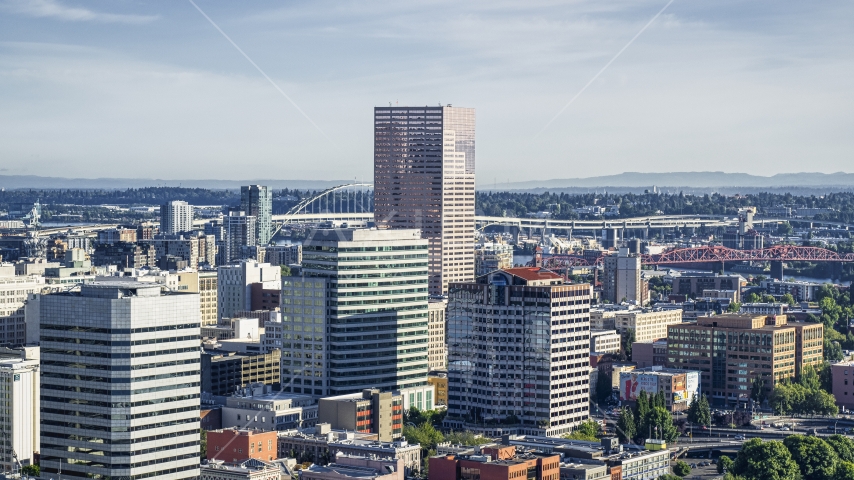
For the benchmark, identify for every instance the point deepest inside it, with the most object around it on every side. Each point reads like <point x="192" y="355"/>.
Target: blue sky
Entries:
<point x="151" y="89"/>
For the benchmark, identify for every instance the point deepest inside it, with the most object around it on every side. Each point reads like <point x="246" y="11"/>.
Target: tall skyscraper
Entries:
<point x="424" y="159"/>
<point x="257" y="201"/>
<point x="234" y="291"/>
<point x="357" y="318"/>
<point x="622" y="278"/>
<point x="175" y="217"/>
<point x="518" y="353"/>
<point x="239" y="232"/>
<point x="120" y="382"/>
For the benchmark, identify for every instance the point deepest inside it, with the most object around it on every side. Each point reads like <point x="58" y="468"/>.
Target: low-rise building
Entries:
<point x="646" y="324"/>
<point x="604" y="341"/>
<point x="842" y="374"/>
<point x="439" y="380"/>
<point x="225" y="372"/>
<point x="356" y="467"/>
<point x="678" y="386"/>
<point x="246" y="470"/>
<point x="238" y="445"/>
<point x="800" y="291"/>
<point x="321" y="444"/>
<point x="501" y="464"/>
<point x="765" y="308"/>
<point x="369" y="411"/>
<point x="256" y="407"/>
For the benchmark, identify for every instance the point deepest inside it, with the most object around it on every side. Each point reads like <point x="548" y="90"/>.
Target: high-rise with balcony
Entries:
<point x="357" y="317"/>
<point x="424" y="159"/>
<point x="176" y="217"/>
<point x="518" y="353"/>
<point x="257" y="201"/>
<point x="120" y="382"/>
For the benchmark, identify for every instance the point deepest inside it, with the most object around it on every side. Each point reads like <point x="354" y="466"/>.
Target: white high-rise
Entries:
<point x="424" y="160"/>
<point x="19" y="408"/>
<point x="175" y="217"/>
<point x="120" y="382"/>
<point x="233" y="285"/>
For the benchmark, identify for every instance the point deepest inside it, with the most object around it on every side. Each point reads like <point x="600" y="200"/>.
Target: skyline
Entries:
<point x="756" y="88"/>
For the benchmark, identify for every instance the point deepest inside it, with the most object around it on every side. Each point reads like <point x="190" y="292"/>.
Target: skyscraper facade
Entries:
<point x="424" y="160"/>
<point x="120" y="382"/>
<point x="518" y="353"/>
<point x="357" y="317"/>
<point x="175" y="217"/>
<point x="239" y="232"/>
<point x="19" y="407"/>
<point x="257" y="201"/>
<point x="622" y="278"/>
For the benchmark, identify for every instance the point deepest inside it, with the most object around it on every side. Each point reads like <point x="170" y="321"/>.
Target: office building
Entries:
<point x="124" y="255"/>
<point x="800" y="291"/>
<point x="176" y="217"/>
<point x="118" y="234"/>
<point x="234" y="285"/>
<point x="650" y="354"/>
<point x="646" y="324"/>
<point x="732" y="350"/>
<point x="251" y="469"/>
<point x="257" y="201"/>
<point x="621" y="279"/>
<point x="518" y="353"/>
<point x="693" y="284"/>
<point x="604" y="341"/>
<point x="424" y="161"/>
<point x="437" y="351"/>
<point x="238" y="445"/>
<point x="323" y="442"/>
<point x="225" y="372"/>
<point x="154" y="383"/>
<point x="283" y="254"/>
<point x="257" y="407"/>
<point x="492" y="256"/>
<point x="14" y="292"/>
<point x="239" y="230"/>
<point x="20" y="417"/>
<point x="195" y="248"/>
<point x="369" y="411"/>
<point x="358" y="317"/>
<point x="203" y="282"/>
<point x="439" y="381"/>
<point x="678" y="386"/>
<point x="353" y="467"/>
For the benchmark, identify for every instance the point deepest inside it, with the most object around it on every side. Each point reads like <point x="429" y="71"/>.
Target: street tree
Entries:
<point x="817" y="460"/>
<point x="769" y="460"/>
<point x="681" y="468"/>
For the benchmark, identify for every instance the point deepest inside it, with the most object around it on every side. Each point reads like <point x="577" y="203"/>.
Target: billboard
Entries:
<point x="631" y="384"/>
<point x="692" y="384"/>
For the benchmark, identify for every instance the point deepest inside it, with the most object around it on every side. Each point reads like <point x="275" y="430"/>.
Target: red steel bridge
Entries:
<point x="716" y="254"/>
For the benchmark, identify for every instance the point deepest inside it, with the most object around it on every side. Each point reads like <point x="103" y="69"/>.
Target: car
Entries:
<point x="785" y="429"/>
<point x="739" y="437"/>
<point x="693" y="465"/>
<point x="714" y="461"/>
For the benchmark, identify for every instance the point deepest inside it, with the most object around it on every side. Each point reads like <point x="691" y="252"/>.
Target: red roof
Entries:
<point x="532" y="273"/>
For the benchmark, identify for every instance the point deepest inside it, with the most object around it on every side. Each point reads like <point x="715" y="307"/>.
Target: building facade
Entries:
<point x="239" y="230"/>
<point x="14" y="292"/>
<point x="424" y="163"/>
<point x="437" y="326"/>
<point x="223" y="372"/>
<point x="20" y="416"/>
<point x="732" y="351"/>
<point x="492" y="256"/>
<point x="120" y="350"/>
<point x="604" y="341"/>
<point x="647" y="325"/>
<point x="238" y="445"/>
<point x="518" y="353"/>
<point x="622" y="278"/>
<point x="358" y="317"/>
<point x="234" y="285"/>
<point x="257" y="201"/>
<point x="176" y="217"/>
<point x="370" y="411"/>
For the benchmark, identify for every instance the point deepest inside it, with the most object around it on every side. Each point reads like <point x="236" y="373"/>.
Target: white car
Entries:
<point x="739" y="437"/>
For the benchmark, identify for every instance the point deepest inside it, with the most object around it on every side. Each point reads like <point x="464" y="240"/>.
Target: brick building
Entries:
<point x="234" y="445"/>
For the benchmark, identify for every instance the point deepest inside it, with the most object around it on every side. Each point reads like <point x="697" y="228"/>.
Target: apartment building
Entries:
<point x="621" y="279"/>
<point x="257" y="202"/>
<point x="518" y="353"/>
<point x="647" y="324"/>
<point x="489" y="257"/>
<point x="175" y="217"/>
<point x="424" y="162"/>
<point x="732" y="350"/>
<point x="369" y="411"/>
<point x="604" y="341"/>
<point x="693" y="284"/>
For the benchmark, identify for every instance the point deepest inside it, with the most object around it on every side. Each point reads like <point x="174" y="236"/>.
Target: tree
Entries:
<point x="832" y="351"/>
<point x="843" y="446"/>
<point x="626" y="427"/>
<point x="816" y="459"/>
<point x="769" y="460"/>
<point x="757" y="390"/>
<point x="425" y="435"/>
<point x="669" y="476"/>
<point x="661" y="423"/>
<point x="286" y="270"/>
<point x="788" y="298"/>
<point x="724" y="464"/>
<point x="587" y="431"/>
<point x="203" y="443"/>
<point x="603" y="387"/>
<point x="733" y="307"/>
<point x="628" y="339"/>
<point x="809" y="378"/>
<point x="751" y="298"/>
<point x="681" y="468"/>
<point x="33" y="470"/>
<point x="844" y="471"/>
<point x="466" y="438"/>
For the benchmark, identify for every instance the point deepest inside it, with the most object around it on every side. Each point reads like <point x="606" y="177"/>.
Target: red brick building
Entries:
<point x="498" y="463"/>
<point x="234" y="445"/>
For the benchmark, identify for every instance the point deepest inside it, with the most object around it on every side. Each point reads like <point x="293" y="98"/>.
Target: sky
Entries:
<point x="152" y="89"/>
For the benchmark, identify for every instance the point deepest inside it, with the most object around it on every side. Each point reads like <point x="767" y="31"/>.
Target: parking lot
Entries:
<point x="700" y="472"/>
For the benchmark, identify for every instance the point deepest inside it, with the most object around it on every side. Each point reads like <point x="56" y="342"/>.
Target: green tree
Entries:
<point x="628" y="339"/>
<point x="788" y="298"/>
<point x="286" y="270"/>
<point x="843" y="446"/>
<point x="669" y="476"/>
<point x="832" y="351"/>
<point x="203" y="443"/>
<point x="33" y="470"/>
<point x="724" y="464"/>
<point x="626" y="427"/>
<point x="816" y="459"/>
<point x="751" y="297"/>
<point x="809" y="378"/>
<point x="844" y="471"/>
<point x="661" y="423"/>
<point x="769" y="460"/>
<point x="733" y="307"/>
<point x="757" y="389"/>
<point x="681" y="468"/>
<point x="587" y="431"/>
<point x="466" y="438"/>
<point x="425" y="434"/>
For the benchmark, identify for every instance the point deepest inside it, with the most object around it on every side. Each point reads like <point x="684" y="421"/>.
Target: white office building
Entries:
<point x="120" y="382"/>
<point x="357" y="318"/>
<point x="19" y="407"/>
<point x="175" y="217"/>
<point x="234" y="285"/>
<point x="13" y="297"/>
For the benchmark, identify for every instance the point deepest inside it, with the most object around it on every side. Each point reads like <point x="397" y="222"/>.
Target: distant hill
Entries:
<point x="12" y="182"/>
<point x="684" y="179"/>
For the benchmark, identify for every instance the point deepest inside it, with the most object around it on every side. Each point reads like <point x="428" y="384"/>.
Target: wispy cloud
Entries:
<point x="57" y="10"/>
